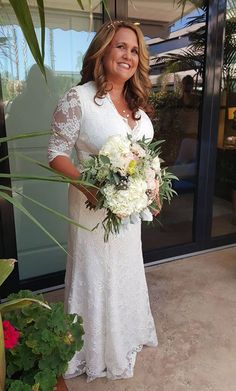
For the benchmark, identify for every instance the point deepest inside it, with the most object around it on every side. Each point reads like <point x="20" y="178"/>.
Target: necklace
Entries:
<point x="117" y="103"/>
<point x="125" y="114"/>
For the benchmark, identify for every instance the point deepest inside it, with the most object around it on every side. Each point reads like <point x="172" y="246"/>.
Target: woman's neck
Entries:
<point x="117" y="90"/>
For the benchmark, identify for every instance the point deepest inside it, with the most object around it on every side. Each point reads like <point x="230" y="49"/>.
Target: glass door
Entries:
<point x="28" y="106"/>
<point x="224" y="203"/>
<point x="176" y="42"/>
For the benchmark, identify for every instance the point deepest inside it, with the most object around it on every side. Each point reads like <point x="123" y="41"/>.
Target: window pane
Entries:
<point x="176" y="45"/>
<point x="29" y="103"/>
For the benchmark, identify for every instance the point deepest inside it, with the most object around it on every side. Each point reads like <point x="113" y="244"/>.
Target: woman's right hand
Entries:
<point x="91" y="194"/>
<point x="64" y="165"/>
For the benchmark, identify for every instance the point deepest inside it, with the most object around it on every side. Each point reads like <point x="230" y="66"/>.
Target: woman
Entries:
<point x="105" y="282"/>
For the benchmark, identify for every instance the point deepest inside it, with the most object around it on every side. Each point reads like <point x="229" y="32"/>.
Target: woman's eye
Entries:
<point x="135" y="51"/>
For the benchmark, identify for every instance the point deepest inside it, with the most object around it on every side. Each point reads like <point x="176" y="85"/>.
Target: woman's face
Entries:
<point x="122" y="56"/>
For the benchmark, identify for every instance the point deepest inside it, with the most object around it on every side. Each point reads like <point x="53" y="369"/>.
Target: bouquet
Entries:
<point x="132" y="185"/>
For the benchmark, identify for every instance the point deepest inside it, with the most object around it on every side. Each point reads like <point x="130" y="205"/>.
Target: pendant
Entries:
<point x="126" y="115"/>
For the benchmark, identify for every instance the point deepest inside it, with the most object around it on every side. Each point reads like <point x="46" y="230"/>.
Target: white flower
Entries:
<point x="156" y="165"/>
<point x="137" y="150"/>
<point x="117" y="149"/>
<point x="150" y="178"/>
<point x="125" y="202"/>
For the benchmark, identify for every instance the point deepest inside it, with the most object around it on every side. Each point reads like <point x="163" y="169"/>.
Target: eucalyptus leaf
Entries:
<point x="104" y="159"/>
<point x="116" y="178"/>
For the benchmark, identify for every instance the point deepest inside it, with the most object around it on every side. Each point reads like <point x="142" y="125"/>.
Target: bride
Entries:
<point x="105" y="282"/>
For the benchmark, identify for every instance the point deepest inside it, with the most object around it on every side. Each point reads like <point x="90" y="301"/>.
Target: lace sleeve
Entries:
<point x="65" y="125"/>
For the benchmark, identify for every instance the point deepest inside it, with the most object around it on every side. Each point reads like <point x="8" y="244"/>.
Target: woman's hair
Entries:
<point x="138" y="86"/>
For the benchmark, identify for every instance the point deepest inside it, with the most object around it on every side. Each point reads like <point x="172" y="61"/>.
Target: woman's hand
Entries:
<point x="155" y="212"/>
<point x="64" y="165"/>
<point x="91" y="195"/>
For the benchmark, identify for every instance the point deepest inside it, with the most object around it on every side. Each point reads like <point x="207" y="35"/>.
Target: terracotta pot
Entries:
<point x="61" y="385"/>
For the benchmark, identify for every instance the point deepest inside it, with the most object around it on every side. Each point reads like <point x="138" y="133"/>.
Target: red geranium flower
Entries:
<point x="11" y="335"/>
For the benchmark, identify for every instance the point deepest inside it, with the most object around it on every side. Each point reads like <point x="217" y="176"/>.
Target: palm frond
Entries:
<point x="185" y="60"/>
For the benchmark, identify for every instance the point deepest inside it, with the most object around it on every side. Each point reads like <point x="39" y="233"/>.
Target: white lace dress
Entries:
<point x="105" y="282"/>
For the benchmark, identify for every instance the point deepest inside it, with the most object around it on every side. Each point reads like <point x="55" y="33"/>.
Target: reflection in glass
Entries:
<point x="28" y="105"/>
<point x="224" y="207"/>
<point x="177" y="62"/>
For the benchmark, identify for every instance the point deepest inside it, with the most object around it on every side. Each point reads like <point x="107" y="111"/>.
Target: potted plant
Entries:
<point x="39" y="340"/>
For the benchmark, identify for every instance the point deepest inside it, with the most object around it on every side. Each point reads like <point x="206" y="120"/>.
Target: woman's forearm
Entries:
<point x="64" y="165"/>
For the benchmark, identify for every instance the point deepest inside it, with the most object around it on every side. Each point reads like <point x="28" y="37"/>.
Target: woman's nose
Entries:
<point x="127" y="53"/>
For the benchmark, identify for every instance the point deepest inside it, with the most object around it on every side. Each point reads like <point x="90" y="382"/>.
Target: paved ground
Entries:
<point x="194" y="304"/>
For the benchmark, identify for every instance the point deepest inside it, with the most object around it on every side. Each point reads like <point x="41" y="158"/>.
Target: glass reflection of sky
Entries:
<point x="181" y="23"/>
<point x="68" y="50"/>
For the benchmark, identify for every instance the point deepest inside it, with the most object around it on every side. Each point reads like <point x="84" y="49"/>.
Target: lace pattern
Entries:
<point x="65" y="125"/>
<point x="82" y="368"/>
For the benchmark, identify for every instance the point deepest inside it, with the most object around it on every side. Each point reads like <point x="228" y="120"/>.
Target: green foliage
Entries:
<point x="6" y="267"/>
<point x="48" y="340"/>
<point x="165" y="100"/>
<point x="166" y="123"/>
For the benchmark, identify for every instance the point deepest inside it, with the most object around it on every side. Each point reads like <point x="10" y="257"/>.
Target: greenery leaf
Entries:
<point x="6" y="267"/>
<point x="42" y="22"/>
<point x="47" y="379"/>
<point x="23" y="136"/>
<point x="104" y="159"/>
<point x="16" y="304"/>
<point x="18" y="205"/>
<point x="53" y="211"/>
<point x="47" y="179"/>
<point x="80" y="4"/>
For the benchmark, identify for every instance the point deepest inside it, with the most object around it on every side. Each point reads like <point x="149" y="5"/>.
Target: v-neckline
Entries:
<point x="121" y="116"/>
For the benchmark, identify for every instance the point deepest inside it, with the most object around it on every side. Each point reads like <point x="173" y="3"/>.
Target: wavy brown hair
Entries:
<point x="137" y="88"/>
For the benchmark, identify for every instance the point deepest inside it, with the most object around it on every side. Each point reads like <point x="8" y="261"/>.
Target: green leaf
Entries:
<point x="4" y="158"/>
<point x="105" y="4"/>
<point x="80" y="4"/>
<point x="24" y="18"/>
<point x="18" y="205"/>
<point x="6" y="267"/>
<point x="18" y="385"/>
<point x="17" y="304"/>
<point x="104" y="159"/>
<point x="53" y="211"/>
<point x="42" y="22"/>
<point x="23" y="136"/>
<point x="116" y="178"/>
<point x="60" y="178"/>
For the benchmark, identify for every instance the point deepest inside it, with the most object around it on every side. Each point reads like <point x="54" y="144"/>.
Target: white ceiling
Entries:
<point x="158" y="10"/>
<point x="155" y="10"/>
